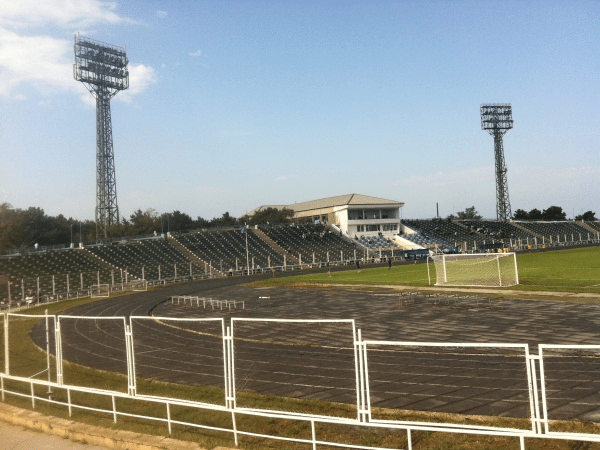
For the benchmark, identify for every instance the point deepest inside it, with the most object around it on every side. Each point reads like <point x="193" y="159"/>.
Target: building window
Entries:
<point x="389" y="213"/>
<point x="371" y="214"/>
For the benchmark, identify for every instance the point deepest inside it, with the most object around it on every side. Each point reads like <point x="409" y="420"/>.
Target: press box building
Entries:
<point x="355" y="214"/>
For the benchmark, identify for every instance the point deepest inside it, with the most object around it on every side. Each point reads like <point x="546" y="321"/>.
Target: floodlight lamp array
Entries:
<point x="496" y="117"/>
<point x="100" y="65"/>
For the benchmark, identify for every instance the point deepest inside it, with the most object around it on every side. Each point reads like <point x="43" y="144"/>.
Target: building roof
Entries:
<point x="343" y="200"/>
<point x="331" y="202"/>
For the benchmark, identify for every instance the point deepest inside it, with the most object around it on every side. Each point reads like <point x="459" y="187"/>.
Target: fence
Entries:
<point x="54" y="288"/>
<point x="377" y="381"/>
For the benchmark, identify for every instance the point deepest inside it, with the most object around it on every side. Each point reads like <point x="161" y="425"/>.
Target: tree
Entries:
<point x="520" y="214"/>
<point x="588" y="216"/>
<point x="145" y="222"/>
<point x="226" y="220"/>
<point x="468" y="214"/>
<point x="180" y="221"/>
<point x="11" y="222"/>
<point x="535" y="214"/>
<point x="201" y="223"/>
<point x="554" y="213"/>
<point x="272" y="215"/>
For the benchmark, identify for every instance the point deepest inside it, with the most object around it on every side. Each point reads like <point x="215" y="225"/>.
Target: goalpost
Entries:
<point x="477" y="269"/>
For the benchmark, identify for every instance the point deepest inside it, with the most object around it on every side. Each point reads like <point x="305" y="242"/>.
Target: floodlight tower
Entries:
<point x="102" y="68"/>
<point x="496" y="119"/>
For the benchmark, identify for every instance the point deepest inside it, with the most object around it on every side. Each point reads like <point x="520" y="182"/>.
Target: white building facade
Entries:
<point x="356" y="215"/>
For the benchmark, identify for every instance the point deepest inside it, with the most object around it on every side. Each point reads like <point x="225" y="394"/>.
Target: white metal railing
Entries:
<point x="183" y="331"/>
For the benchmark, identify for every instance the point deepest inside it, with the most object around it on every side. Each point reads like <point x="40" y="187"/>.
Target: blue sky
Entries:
<point x="236" y="104"/>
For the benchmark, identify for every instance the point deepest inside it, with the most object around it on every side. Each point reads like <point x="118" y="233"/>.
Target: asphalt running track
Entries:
<point x="317" y="361"/>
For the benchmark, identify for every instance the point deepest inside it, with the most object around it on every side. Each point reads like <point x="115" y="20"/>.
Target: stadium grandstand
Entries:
<point x="331" y="231"/>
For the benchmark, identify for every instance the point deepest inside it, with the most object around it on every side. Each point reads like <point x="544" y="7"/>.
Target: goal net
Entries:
<point x="477" y="269"/>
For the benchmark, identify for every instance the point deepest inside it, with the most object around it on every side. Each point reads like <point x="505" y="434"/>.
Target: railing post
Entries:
<point x="131" y="382"/>
<point x="32" y="395"/>
<point x="6" y="357"/>
<point x="230" y="378"/>
<point x="48" y="353"/>
<point x="114" y="405"/>
<point x="58" y="353"/>
<point x="169" y="416"/>
<point x="69" y="402"/>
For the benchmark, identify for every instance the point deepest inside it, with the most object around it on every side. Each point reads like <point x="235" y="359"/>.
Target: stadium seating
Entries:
<point x="308" y="240"/>
<point x="595" y="225"/>
<point x="24" y="271"/>
<point x="222" y="249"/>
<point x="563" y="231"/>
<point x="427" y="241"/>
<point x="226" y="249"/>
<point x="497" y="230"/>
<point x="456" y="234"/>
<point x="142" y="258"/>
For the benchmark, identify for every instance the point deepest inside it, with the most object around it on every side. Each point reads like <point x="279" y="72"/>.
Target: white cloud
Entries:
<point x="141" y="77"/>
<point x="40" y="59"/>
<point x="161" y="14"/>
<point x="64" y="13"/>
<point x="196" y="53"/>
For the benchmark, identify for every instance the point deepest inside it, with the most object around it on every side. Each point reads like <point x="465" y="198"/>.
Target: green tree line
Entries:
<point x="23" y="228"/>
<point x="551" y="213"/>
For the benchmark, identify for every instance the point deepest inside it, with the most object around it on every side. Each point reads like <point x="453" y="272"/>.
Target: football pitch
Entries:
<point x="570" y="270"/>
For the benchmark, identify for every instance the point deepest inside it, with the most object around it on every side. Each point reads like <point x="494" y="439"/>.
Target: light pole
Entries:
<point x="496" y="119"/>
<point x="102" y="68"/>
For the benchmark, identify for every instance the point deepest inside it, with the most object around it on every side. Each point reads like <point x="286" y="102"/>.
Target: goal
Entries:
<point x="477" y="269"/>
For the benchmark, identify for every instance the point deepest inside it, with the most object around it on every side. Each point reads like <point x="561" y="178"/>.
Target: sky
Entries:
<point x="237" y="104"/>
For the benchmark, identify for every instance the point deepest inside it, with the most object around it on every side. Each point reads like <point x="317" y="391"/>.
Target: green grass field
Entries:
<point x="572" y="270"/>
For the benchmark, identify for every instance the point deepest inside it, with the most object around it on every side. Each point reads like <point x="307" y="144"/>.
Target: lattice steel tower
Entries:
<point x="102" y="68"/>
<point x="496" y="119"/>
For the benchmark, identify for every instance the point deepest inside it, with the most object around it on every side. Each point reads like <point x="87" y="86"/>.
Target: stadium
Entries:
<point x="345" y="324"/>
<point x="336" y="231"/>
<point x="194" y="346"/>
